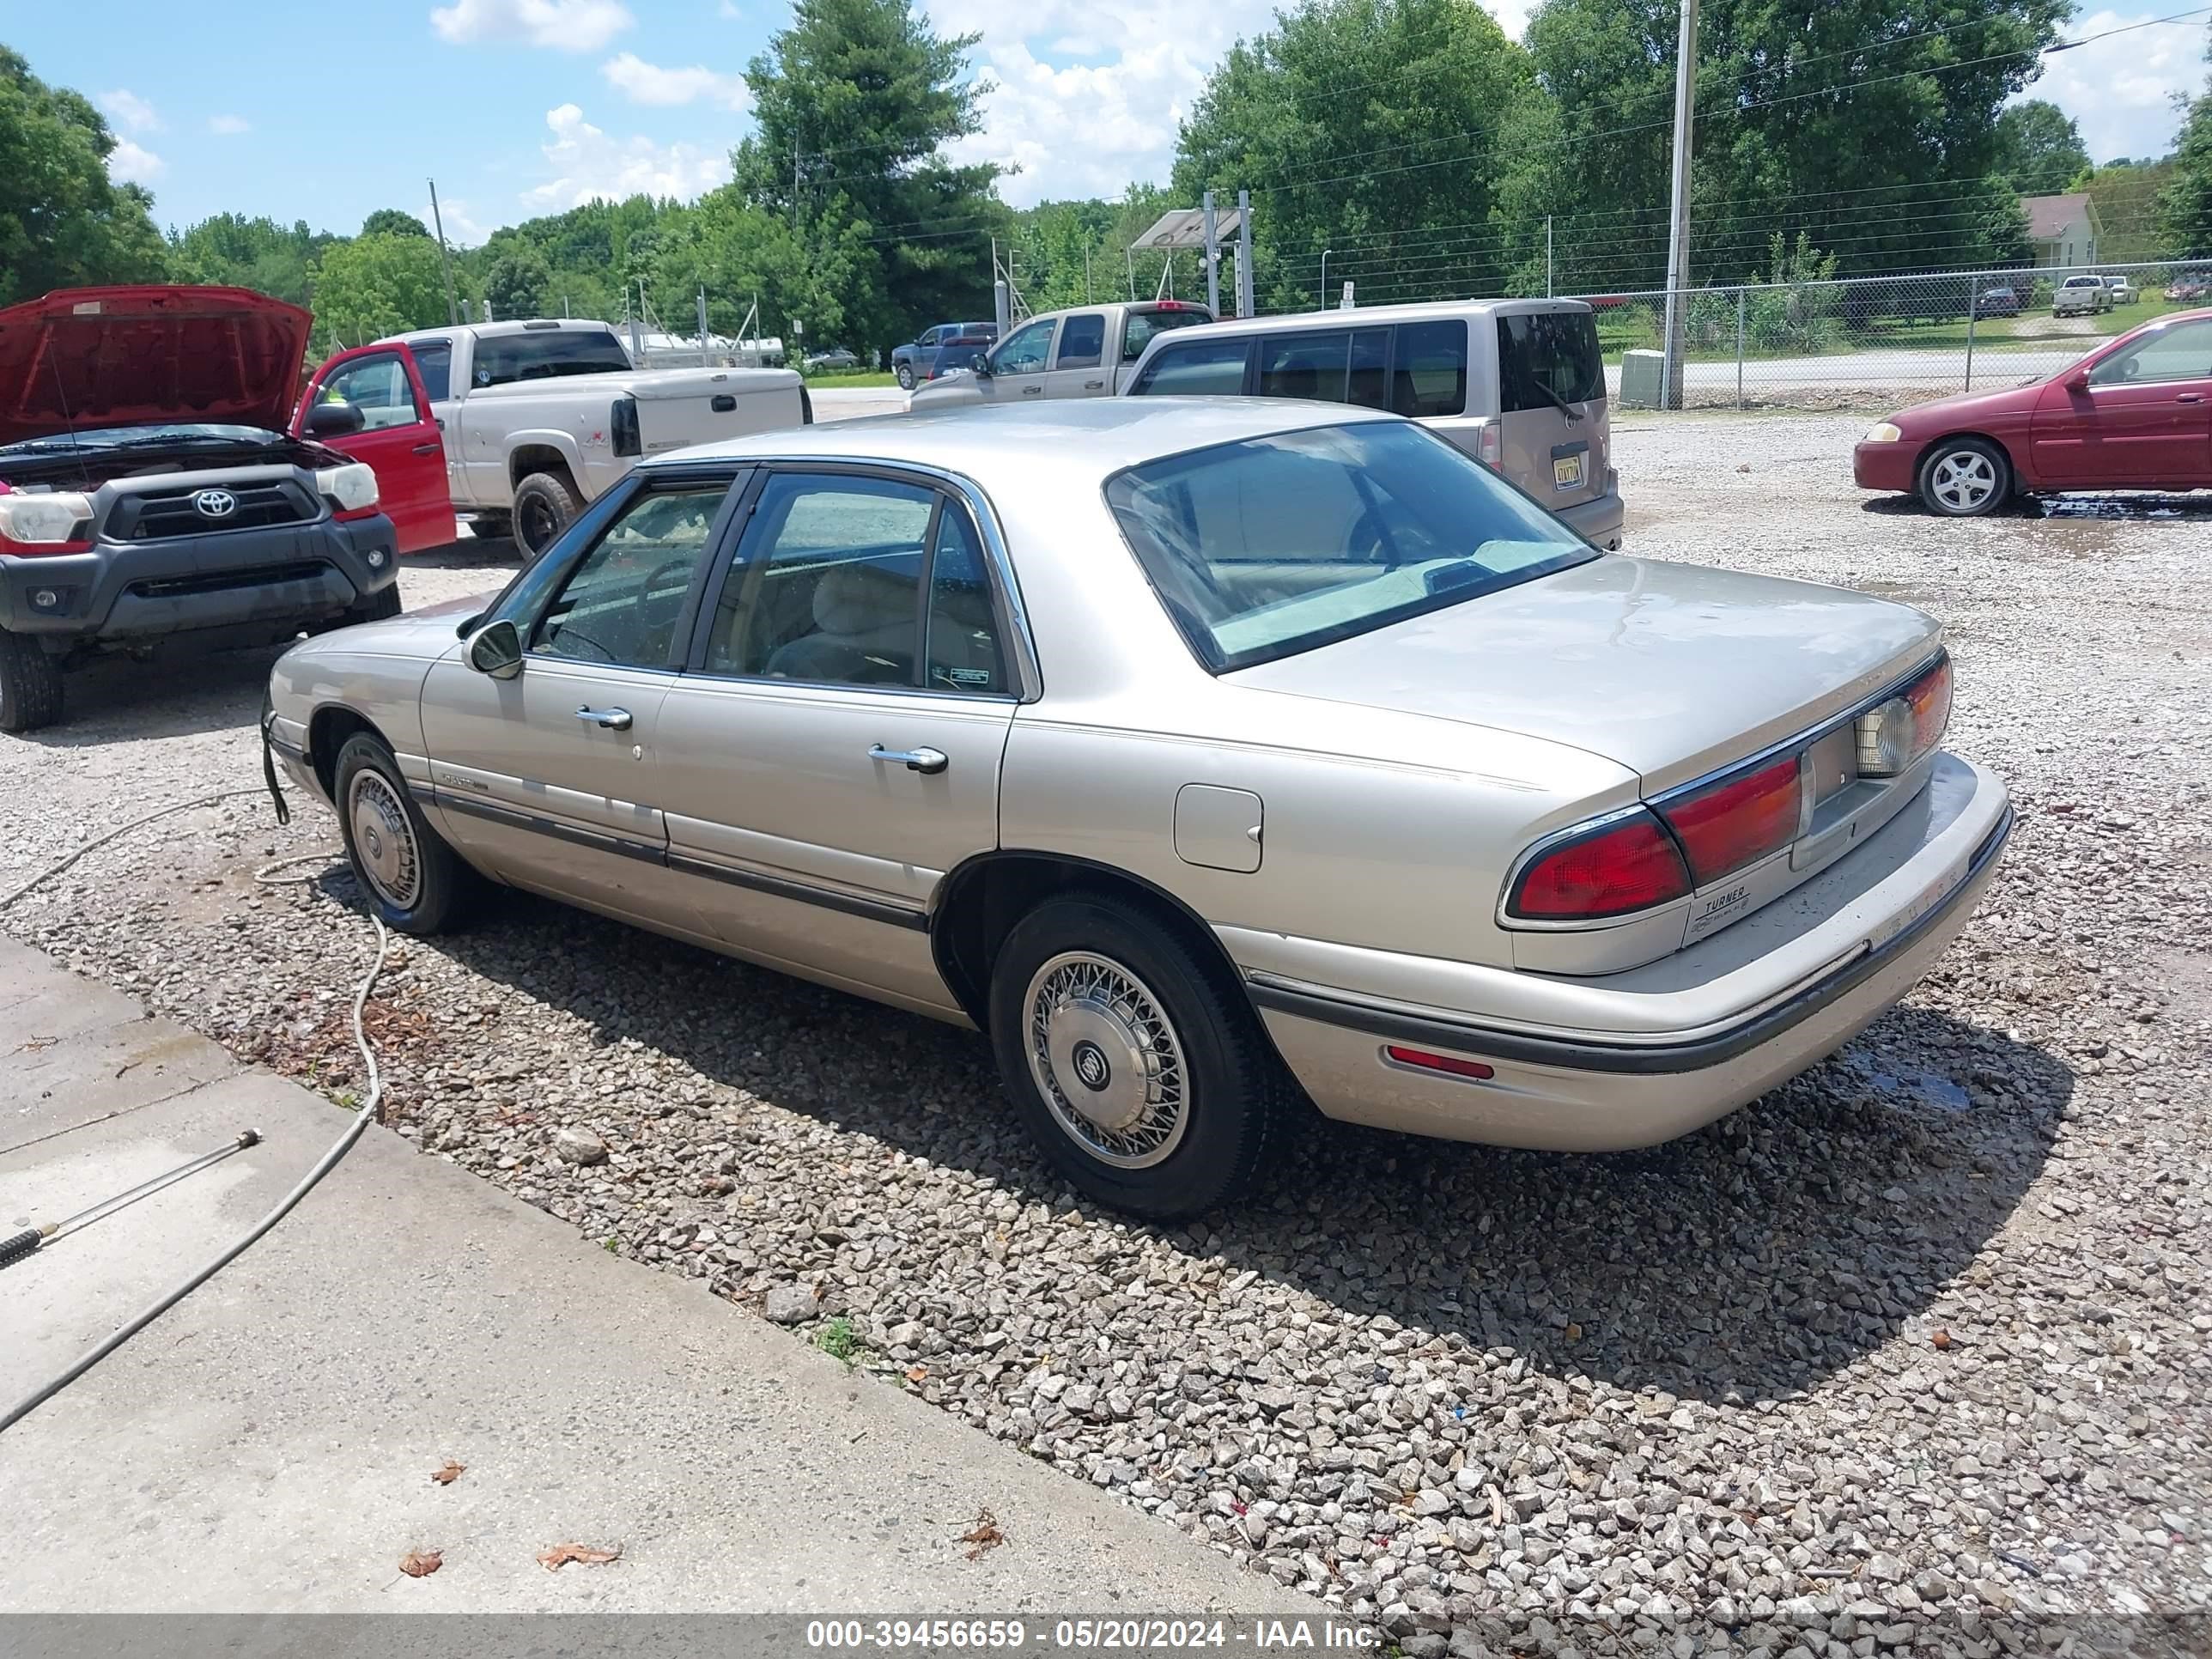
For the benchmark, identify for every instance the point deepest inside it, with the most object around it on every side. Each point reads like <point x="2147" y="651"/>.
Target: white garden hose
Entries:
<point x="323" y="1166"/>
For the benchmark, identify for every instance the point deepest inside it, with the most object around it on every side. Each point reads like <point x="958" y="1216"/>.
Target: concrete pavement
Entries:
<point x="268" y="1446"/>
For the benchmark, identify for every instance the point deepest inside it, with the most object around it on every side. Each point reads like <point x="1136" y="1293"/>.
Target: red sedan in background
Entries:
<point x="2135" y="414"/>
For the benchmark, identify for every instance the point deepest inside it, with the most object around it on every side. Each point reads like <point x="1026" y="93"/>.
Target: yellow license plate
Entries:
<point x="1567" y="472"/>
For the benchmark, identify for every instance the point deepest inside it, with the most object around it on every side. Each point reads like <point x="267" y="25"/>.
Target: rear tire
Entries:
<point x="544" y="505"/>
<point x="411" y="878"/>
<point x="1136" y="1062"/>
<point x="30" y="684"/>
<point x="905" y="373"/>
<point x="1964" y="478"/>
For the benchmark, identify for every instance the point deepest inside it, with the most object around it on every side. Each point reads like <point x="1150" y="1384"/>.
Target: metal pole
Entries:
<point x="1246" y="301"/>
<point x="1548" y="256"/>
<point x="1087" y="275"/>
<point x="1678" y="232"/>
<point x="1325" y="252"/>
<point x="452" y="311"/>
<point x="1743" y="304"/>
<point x="1212" y="259"/>
<point x="1129" y="261"/>
<point x="1971" y="307"/>
<point x="702" y="328"/>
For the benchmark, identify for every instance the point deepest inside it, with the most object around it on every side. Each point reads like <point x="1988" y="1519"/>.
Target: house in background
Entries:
<point x="2063" y="230"/>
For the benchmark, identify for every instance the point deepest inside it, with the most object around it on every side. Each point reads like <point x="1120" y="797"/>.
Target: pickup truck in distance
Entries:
<point x="540" y="417"/>
<point x="160" y="495"/>
<point x="1085" y="352"/>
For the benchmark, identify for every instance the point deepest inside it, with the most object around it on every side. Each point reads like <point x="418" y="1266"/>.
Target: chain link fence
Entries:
<point x="1880" y="341"/>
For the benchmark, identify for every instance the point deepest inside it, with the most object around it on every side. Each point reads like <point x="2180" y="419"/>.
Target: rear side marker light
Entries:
<point x="1629" y="865"/>
<point x="1904" y="728"/>
<point x="1737" y="821"/>
<point x="1451" y="1065"/>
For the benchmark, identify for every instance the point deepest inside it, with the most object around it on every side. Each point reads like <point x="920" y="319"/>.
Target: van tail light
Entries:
<point x="1894" y="736"/>
<point x="35" y="524"/>
<point x="1738" y="820"/>
<point x="1489" y="446"/>
<point x="1626" y="865"/>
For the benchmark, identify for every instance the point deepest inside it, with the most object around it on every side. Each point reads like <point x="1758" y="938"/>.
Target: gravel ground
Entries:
<point x="1914" y="1354"/>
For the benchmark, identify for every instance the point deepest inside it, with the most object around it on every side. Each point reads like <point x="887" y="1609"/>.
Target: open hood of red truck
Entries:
<point x="87" y="357"/>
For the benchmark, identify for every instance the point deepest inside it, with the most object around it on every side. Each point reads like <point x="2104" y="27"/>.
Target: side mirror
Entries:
<point x="982" y="367"/>
<point x="339" y="420"/>
<point x="497" y="651"/>
<point x="2078" y="380"/>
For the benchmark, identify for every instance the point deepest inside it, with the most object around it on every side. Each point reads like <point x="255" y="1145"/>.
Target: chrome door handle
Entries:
<point x="928" y="761"/>
<point x="1032" y="391"/>
<point x="613" y="720"/>
<point x="1094" y="385"/>
<point x="427" y="449"/>
<point x="2188" y="397"/>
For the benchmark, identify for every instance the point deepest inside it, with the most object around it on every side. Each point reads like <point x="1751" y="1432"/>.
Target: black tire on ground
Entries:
<point x="905" y="373"/>
<point x="1964" y="478"/>
<point x="1109" y="984"/>
<point x="544" y="503"/>
<point x="410" y="876"/>
<point x="377" y="607"/>
<point x="30" y="684"/>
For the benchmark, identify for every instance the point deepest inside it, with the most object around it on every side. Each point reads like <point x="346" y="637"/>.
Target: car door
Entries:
<point x="2138" y="417"/>
<point x="834" y="748"/>
<point x="1079" y="360"/>
<point x="399" y="439"/>
<point x="550" y="777"/>
<point x="1021" y="363"/>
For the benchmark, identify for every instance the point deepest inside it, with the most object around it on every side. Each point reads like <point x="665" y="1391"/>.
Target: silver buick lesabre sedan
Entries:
<point x="1207" y="754"/>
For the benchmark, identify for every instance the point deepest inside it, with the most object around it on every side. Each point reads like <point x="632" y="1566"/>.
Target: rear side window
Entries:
<point x="1082" y="341"/>
<point x="1548" y="358"/>
<point x="435" y="359"/>
<point x="1203" y="369"/>
<point x="1137" y="333"/>
<point x="548" y="354"/>
<point x="1431" y="376"/>
<point x="1336" y="367"/>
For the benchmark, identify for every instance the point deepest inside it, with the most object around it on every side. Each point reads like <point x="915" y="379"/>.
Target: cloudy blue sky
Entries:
<point x="518" y="107"/>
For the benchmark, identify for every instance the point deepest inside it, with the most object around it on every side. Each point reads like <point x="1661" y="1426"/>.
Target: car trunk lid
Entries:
<point x="90" y="357"/>
<point x="1671" y="669"/>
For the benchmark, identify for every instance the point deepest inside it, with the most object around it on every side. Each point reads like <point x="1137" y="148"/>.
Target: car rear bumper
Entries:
<point x="1885" y="467"/>
<point x="1598" y="520"/>
<point x="225" y="580"/>
<point x="1872" y="924"/>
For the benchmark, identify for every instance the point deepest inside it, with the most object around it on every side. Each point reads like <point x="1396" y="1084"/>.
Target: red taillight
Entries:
<point x="1451" y="1064"/>
<point x="1168" y="305"/>
<point x="1734" y="823"/>
<point x="1628" y="866"/>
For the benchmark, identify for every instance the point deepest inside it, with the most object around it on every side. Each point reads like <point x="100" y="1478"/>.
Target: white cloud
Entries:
<point x="129" y="112"/>
<point x="726" y="9"/>
<point x="648" y="83"/>
<point x="565" y="24"/>
<point x="588" y="164"/>
<point x="462" y="229"/>
<point x="229" y="126"/>
<point x="2120" y="90"/>
<point x="129" y="164"/>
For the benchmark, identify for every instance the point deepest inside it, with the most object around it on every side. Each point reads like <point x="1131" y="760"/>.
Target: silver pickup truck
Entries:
<point x="540" y="417"/>
<point x="1085" y="351"/>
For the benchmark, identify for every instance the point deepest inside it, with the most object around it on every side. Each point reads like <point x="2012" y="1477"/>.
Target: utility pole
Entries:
<point x="1246" y="303"/>
<point x="1087" y="275"/>
<point x="1678" y="231"/>
<point x="445" y="264"/>
<point x="1325" y="252"/>
<point x="1213" y="257"/>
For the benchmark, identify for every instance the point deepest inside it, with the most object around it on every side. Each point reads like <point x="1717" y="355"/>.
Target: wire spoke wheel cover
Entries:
<point x="1963" y="479"/>
<point x="1107" y="1060"/>
<point x="384" y="845"/>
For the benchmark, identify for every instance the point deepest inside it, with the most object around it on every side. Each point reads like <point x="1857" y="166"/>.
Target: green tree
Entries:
<point x="64" y="223"/>
<point x="2039" y="149"/>
<point x="390" y="222"/>
<point x="853" y="105"/>
<point x="515" y="279"/>
<point x="2184" y="206"/>
<point x="1367" y="127"/>
<point x="377" y="285"/>
<point x="242" y="253"/>
<point x="1869" y="124"/>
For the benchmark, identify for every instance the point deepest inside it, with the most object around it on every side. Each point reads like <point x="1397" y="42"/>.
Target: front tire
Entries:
<point x="544" y="504"/>
<point x="30" y="684"/>
<point x="1964" y="478"/>
<point x="1136" y="1062"/>
<point x="905" y="373"/>
<point x="412" y="879"/>
<point x="380" y="606"/>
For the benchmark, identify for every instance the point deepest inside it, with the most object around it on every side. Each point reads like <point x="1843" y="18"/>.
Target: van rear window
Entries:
<point x="1547" y="358"/>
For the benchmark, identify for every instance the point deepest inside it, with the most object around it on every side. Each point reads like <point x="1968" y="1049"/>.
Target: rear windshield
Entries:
<point x="1547" y="358"/>
<point x="548" y="354"/>
<point x="1275" y="545"/>
<point x="1137" y="333"/>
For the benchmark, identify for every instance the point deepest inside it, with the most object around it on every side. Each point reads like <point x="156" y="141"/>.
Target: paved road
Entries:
<point x="268" y="1446"/>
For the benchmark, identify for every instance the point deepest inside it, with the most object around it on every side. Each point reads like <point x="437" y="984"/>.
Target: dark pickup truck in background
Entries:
<point x="159" y="492"/>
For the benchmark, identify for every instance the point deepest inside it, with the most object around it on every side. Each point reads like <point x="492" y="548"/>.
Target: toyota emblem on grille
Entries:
<point x="215" y="504"/>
